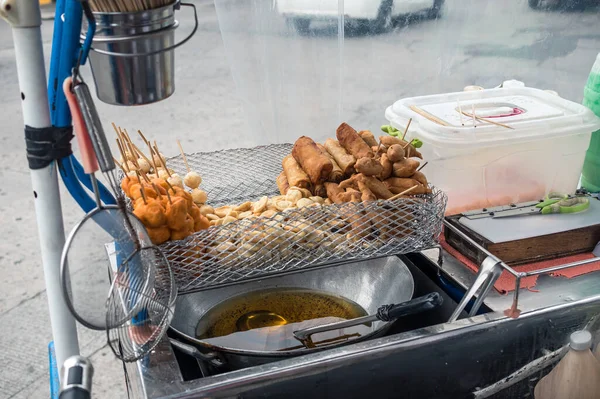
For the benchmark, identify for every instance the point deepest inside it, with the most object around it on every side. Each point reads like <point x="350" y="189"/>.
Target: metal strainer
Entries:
<point x="139" y="290"/>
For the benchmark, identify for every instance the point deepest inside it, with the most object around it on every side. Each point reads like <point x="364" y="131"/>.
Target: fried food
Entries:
<point x="386" y="166"/>
<point x="152" y="213"/>
<point x="369" y="166"/>
<point x="316" y="165"/>
<point x="420" y="177"/>
<point x="199" y="196"/>
<point x="176" y="213"/>
<point x="159" y="235"/>
<point x="400" y="184"/>
<point x="181" y="193"/>
<point x="161" y="183"/>
<point x="333" y="192"/>
<point x="179" y="234"/>
<point x="294" y="173"/>
<point x="344" y="160"/>
<point x="201" y="222"/>
<point x="192" y="179"/>
<point x="352" y="142"/>
<point x="320" y="190"/>
<point x="395" y="153"/>
<point x="336" y="174"/>
<point x="410" y="151"/>
<point x="405" y="168"/>
<point x="375" y="185"/>
<point x="282" y="183"/>
<point x="175" y="180"/>
<point x="366" y="193"/>
<point x="368" y="137"/>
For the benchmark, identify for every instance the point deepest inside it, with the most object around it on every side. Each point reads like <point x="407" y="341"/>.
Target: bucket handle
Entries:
<point x="173" y="47"/>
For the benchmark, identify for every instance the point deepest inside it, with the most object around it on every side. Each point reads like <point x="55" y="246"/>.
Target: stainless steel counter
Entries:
<point x="548" y="291"/>
<point x="447" y="360"/>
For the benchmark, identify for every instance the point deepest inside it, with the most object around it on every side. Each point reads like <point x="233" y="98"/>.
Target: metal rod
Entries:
<point x="25" y="20"/>
<point x="561" y="267"/>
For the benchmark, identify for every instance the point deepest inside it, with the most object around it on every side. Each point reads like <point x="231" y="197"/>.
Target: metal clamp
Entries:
<point x="489" y="272"/>
<point x="173" y="47"/>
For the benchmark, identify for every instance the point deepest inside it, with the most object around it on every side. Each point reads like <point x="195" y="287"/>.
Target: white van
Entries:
<point x="378" y="14"/>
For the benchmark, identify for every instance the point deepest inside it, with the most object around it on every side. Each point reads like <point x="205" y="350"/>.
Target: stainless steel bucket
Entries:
<point x="133" y="57"/>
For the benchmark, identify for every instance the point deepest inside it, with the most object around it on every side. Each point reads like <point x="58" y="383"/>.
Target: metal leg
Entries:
<point x="24" y="17"/>
<point x="489" y="272"/>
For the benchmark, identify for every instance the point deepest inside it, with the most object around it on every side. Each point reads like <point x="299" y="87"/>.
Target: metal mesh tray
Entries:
<point x="292" y="239"/>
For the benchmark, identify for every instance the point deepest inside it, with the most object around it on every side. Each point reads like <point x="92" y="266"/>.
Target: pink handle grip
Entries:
<point x="88" y="156"/>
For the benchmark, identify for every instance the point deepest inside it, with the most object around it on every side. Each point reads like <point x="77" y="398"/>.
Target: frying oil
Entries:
<point x="265" y="320"/>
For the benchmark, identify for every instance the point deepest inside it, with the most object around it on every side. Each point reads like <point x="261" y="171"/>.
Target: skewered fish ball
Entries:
<point x="159" y="235"/>
<point x="130" y="166"/>
<point x="175" y="180"/>
<point x="162" y="174"/>
<point x="159" y="159"/>
<point x="151" y="214"/>
<point x="199" y="196"/>
<point x="176" y="213"/>
<point x="192" y="179"/>
<point x="144" y="165"/>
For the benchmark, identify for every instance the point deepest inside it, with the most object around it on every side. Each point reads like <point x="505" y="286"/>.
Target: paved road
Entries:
<point x="288" y="86"/>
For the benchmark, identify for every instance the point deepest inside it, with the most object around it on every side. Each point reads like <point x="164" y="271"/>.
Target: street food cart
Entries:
<point x="414" y="282"/>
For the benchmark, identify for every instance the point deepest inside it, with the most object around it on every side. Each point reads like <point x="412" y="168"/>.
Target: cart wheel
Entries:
<point x="301" y="25"/>
<point x="436" y="11"/>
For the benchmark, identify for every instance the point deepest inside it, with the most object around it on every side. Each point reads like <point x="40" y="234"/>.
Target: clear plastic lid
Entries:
<point x="494" y="116"/>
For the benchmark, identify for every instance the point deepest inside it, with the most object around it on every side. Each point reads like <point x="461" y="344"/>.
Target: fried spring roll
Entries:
<point x="316" y="165"/>
<point x="336" y="175"/>
<point x="352" y="142"/>
<point x="282" y="183"/>
<point x="405" y="168"/>
<point x="344" y="160"/>
<point x="294" y="173"/>
<point x="368" y="137"/>
<point x="410" y="150"/>
<point x="333" y="192"/>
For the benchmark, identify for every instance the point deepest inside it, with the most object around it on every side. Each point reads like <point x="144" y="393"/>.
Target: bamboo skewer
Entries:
<point x="169" y="196"/>
<point x="402" y="193"/>
<point x="152" y="156"/>
<point x="162" y="161"/>
<point x="428" y="115"/>
<point x="143" y="137"/>
<point x="489" y="121"/>
<point x="406" y="130"/>
<point x="143" y="196"/>
<point x="422" y="166"/>
<point x="123" y="155"/>
<point x="120" y="165"/>
<point x="184" y="157"/>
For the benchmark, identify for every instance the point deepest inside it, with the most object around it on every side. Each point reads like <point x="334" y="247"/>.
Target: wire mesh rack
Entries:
<point x="295" y="238"/>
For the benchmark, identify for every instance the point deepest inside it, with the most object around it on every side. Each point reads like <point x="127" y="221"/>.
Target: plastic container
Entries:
<point x="590" y="178"/>
<point x="479" y="164"/>
<point x="576" y="376"/>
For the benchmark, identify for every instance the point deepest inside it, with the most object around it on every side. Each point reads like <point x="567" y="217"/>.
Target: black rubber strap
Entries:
<point x="47" y="144"/>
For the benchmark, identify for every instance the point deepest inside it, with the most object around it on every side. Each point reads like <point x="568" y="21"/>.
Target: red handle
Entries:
<point x="88" y="156"/>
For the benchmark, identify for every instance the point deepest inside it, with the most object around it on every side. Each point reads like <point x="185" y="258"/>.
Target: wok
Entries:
<point x="369" y="284"/>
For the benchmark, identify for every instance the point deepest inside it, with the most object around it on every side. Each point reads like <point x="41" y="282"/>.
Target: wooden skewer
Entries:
<point x="144" y="175"/>
<point x="427" y="115"/>
<point x="402" y="193"/>
<point x="170" y="187"/>
<point x="462" y="121"/>
<point x="168" y="196"/>
<point x="422" y="166"/>
<point x="123" y="155"/>
<point x="143" y="196"/>
<point x="406" y="130"/>
<point x="129" y="144"/>
<point x="162" y="161"/>
<point x="184" y="157"/>
<point x="152" y="156"/>
<point x="141" y="154"/>
<point x="157" y="191"/>
<point x="120" y="166"/>
<point x="116" y="130"/>
<point x="143" y="137"/>
<point x="490" y="121"/>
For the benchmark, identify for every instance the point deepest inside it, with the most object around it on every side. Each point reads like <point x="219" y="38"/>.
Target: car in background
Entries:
<point x="378" y="15"/>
